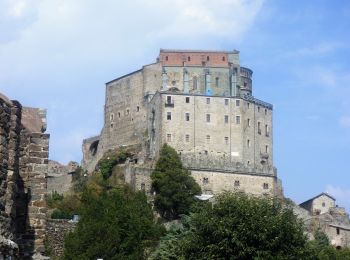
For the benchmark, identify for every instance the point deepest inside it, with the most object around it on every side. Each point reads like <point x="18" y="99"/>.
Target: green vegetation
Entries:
<point x="111" y="159"/>
<point x="174" y="186"/>
<point x="115" y="224"/>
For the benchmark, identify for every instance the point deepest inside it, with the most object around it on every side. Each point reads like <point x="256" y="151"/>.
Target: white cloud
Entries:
<point x="341" y="194"/>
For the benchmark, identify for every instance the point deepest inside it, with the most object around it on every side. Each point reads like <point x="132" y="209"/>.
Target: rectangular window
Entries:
<point x="187" y="99"/>
<point x="226" y="119"/>
<point x="237" y="184"/>
<point x="238" y="120"/>
<point x="258" y="109"/>
<point x="237" y="103"/>
<point x="208" y="139"/>
<point x="226" y="102"/>
<point x="208" y="118"/>
<point x="187" y="116"/>
<point x="168" y="137"/>
<point x="265" y="111"/>
<point x="205" y="180"/>
<point x="187" y="138"/>
<point x="259" y="128"/>
<point x="226" y="139"/>
<point x="168" y="99"/>
<point x="248" y="122"/>
<point x="168" y="115"/>
<point x="208" y="100"/>
<point x="248" y="143"/>
<point x="248" y="105"/>
<point x="266" y="148"/>
<point x="265" y="186"/>
<point x="119" y="114"/>
<point x="216" y="82"/>
<point x="138" y="109"/>
<point x="127" y="111"/>
<point x="266" y="130"/>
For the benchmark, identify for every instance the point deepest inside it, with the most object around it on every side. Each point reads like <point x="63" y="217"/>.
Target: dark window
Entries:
<point x="208" y="118"/>
<point x="168" y="99"/>
<point x="238" y="120"/>
<point x="127" y="111"/>
<point x="188" y="58"/>
<point x="208" y="100"/>
<point x="237" y="184"/>
<point x="208" y="139"/>
<point x="194" y="82"/>
<point x="338" y="231"/>
<point x="216" y="81"/>
<point x="187" y="99"/>
<point x="207" y="58"/>
<point x="259" y="128"/>
<point x="265" y="111"/>
<point x="226" y="119"/>
<point x="223" y="59"/>
<point x="187" y="116"/>
<point x="248" y="143"/>
<point x="265" y="186"/>
<point x="226" y="102"/>
<point x="166" y="58"/>
<point x="168" y="115"/>
<point x="118" y="114"/>
<point x="266" y="148"/>
<point x="237" y="102"/>
<point x="205" y="180"/>
<point x="258" y="109"/>
<point x="168" y="137"/>
<point x="226" y="139"/>
<point x="138" y="109"/>
<point x="187" y="138"/>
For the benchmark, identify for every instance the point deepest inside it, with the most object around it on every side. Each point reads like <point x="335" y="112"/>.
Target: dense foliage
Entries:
<point x="174" y="186"/>
<point x="111" y="159"/>
<point x="115" y="224"/>
<point x="239" y="227"/>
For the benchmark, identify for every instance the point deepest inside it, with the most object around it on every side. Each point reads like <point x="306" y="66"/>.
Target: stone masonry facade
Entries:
<point x="24" y="149"/>
<point x="201" y="104"/>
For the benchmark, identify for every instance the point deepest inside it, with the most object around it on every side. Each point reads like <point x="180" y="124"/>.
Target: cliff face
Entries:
<point x="23" y="169"/>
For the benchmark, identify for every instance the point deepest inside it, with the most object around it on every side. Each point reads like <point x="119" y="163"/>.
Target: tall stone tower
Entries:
<point x="201" y="104"/>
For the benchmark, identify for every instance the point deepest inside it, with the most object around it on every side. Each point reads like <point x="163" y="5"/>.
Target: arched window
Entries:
<point x="195" y="82"/>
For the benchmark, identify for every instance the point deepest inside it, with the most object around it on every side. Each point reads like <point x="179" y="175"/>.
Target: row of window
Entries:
<point x="189" y="58"/>
<point x="208" y="100"/>
<point x="236" y="183"/>
<point x="208" y="118"/>
<point x="127" y="112"/>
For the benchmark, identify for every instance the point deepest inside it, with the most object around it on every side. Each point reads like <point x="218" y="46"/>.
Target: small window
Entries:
<point x="166" y="58"/>
<point x="205" y="180"/>
<point x="207" y="58"/>
<point x="138" y="109"/>
<point x="187" y="99"/>
<point x="226" y="139"/>
<point x="168" y="137"/>
<point x="187" y="116"/>
<point x="265" y="186"/>
<point x="187" y="138"/>
<point x="127" y="111"/>
<point x="223" y="58"/>
<point x="266" y="148"/>
<point x="205" y="152"/>
<point x="266" y="130"/>
<point x="226" y="119"/>
<point x="338" y="231"/>
<point x="216" y="82"/>
<point x="208" y="139"/>
<point x="237" y="103"/>
<point x="168" y="116"/>
<point x="248" y="143"/>
<point x="208" y="118"/>
<point x="119" y="114"/>
<point x="323" y="204"/>
<point x="259" y="128"/>
<point x="248" y="105"/>
<point x="237" y="184"/>
<point x="208" y="100"/>
<point x="248" y="162"/>
<point x="248" y="121"/>
<point x="226" y="102"/>
<point x="265" y="111"/>
<point x="258" y="109"/>
<point x="238" y="120"/>
<point x="111" y="125"/>
<point x="168" y="99"/>
<point x="188" y="58"/>
<point x="111" y="117"/>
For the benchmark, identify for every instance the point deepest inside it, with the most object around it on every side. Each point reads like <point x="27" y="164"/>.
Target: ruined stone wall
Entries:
<point x="59" y="177"/>
<point x="56" y="230"/>
<point x="23" y="169"/>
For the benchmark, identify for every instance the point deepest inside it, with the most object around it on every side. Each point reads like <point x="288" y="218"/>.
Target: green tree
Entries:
<point x="114" y="224"/>
<point x="174" y="186"/>
<point x="237" y="226"/>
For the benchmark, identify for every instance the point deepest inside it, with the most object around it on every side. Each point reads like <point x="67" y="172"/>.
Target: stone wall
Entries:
<point x="56" y="230"/>
<point x="59" y="177"/>
<point x="24" y="157"/>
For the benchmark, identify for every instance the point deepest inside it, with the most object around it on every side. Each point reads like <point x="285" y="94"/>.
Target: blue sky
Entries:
<point x="58" y="54"/>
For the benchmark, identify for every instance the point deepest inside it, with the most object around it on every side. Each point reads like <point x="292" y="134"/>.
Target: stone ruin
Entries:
<point x="24" y="150"/>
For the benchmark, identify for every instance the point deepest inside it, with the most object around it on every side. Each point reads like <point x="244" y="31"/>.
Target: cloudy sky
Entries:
<point x="58" y="54"/>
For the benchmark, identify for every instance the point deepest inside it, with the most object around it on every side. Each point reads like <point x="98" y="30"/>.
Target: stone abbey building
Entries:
<point x="201" y="104"/>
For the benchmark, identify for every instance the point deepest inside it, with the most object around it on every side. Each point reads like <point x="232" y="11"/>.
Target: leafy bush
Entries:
<point x="111" y="159"/>
<point x="54" y="199"/>
<point x="58" y="214"/>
